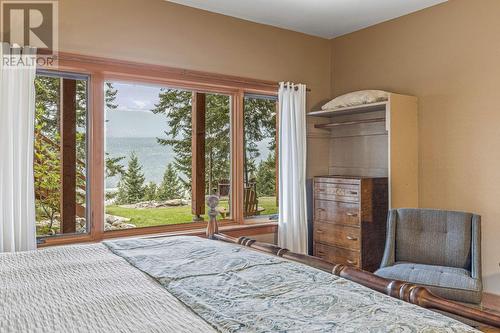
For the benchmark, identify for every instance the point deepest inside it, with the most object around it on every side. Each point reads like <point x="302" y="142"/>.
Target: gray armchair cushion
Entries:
<point x="434" y="237"/>
<point x="448" y="282"/>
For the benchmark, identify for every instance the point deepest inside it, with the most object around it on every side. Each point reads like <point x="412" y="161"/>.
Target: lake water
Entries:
<point x="153" y="157"/>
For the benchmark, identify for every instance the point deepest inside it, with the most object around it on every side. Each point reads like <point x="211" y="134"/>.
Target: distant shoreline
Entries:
<point x="153" y="157"/>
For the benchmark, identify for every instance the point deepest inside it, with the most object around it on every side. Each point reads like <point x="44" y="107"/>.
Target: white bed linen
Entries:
<point x="86" y="288"/>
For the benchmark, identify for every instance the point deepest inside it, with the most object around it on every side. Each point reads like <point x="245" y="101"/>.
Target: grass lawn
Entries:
<point x="175" y="215"/>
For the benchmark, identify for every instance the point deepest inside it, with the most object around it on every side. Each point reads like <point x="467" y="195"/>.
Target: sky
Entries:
<point x="133" y="117"/>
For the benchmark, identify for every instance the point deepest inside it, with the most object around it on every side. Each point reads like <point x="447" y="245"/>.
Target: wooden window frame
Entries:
<point x="101" y="70"/>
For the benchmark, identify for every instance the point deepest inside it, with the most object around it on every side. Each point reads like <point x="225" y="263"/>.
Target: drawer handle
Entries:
<point x="352" y="214"/>
<point x="321" y="209"/>
<point x="352" y="262"/>
<point x="319" y="231"/>
<point x="321" y="190"/>
<point x="351" y="238"/>
<point x="354" y="193"/>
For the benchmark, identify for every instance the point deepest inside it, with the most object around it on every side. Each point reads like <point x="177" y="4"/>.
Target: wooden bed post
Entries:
<point x="212" y="227"/>
<point x="405" y="291"/>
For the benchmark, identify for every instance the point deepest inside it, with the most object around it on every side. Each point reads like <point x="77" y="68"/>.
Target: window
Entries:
<point x="60" y="163"/>
<point x="130" y="149"/>
<point x="260" y="157"/>
<point x="157" y="173"/>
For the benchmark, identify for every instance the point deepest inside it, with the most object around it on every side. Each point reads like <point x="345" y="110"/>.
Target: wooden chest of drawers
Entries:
<point x="350" y="220"/>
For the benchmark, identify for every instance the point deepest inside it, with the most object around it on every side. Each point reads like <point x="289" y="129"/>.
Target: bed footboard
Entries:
<point x="405" y="291"/>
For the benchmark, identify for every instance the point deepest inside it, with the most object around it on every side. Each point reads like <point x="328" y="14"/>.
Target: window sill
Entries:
<point x="259" y="220"/>
<point x="249" y="228"/>
<point x="231" y="228"/>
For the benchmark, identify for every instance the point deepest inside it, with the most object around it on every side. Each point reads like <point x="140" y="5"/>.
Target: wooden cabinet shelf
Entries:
<point x="350" y="122"/>
<point x="350" y="110"/>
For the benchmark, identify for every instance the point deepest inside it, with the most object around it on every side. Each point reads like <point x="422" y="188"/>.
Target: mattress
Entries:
<point x="189" y="284"/>
<point x="86" y="288"/>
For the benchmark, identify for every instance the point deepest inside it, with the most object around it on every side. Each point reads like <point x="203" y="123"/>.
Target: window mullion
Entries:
<point x="237" y="156"/>
<point x="198" y="155"/>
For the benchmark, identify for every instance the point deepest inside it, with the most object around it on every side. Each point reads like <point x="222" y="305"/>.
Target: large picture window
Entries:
<point x="126" y="149"/>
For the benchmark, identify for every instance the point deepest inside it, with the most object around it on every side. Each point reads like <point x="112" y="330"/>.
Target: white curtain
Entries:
<point x="292" y="228"/>
<point x="17" y="116"/>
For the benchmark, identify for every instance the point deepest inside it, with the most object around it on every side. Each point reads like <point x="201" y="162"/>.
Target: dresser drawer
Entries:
<point x="337" y="255"/>
<point x="337" y="212"/>
<point x="337" y="235"/>
<point x="336" y="191"/>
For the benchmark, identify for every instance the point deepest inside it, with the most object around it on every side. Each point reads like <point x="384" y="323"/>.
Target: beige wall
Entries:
<point x="160" y="32"/>
<point x="449" y="57"/>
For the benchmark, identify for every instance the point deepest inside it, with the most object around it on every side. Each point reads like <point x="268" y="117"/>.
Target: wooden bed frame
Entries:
<point x="405" y="291"/>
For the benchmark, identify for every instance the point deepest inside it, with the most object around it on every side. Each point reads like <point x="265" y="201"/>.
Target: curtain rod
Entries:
<point x="296" y="88"/>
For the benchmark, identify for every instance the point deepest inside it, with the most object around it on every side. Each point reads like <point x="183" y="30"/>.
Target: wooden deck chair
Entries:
<point x="251" y="203"/>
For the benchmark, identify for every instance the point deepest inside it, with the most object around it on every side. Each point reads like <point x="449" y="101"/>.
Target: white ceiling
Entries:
<point x="323" y="18"/>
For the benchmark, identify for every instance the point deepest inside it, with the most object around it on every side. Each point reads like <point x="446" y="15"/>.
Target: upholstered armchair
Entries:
<point x="438" y="249"/>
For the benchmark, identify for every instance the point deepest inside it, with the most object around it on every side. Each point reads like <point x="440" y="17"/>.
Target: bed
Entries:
<point x="192" y="284"/>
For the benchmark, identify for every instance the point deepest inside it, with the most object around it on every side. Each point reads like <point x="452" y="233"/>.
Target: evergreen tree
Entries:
<point x="266" y="177"/>
<point x="47" y="175"/>
<point x="217" y="140"/>
<point x="171" y="187"/>
<point x="113" y="164"/>
<point x="47" y="142"/>
<point x="150" y="192"/>
<point x="110" y="97"/>
<point x="47" y="156"/>
<point x="176" y="105"/>
<point x="131" y="188"/>
<point x="260" y="124"/>
<point x="47" y="106"/>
